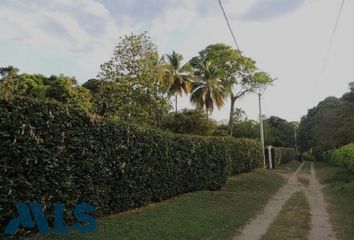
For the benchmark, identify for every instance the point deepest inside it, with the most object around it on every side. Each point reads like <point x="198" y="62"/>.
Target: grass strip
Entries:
<point x="293" y="221"/>
<point x="201" y="215"/>
<point x="339" y="192"/>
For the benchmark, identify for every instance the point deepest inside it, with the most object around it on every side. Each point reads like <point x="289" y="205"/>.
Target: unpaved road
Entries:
<point x="321" y="227"/>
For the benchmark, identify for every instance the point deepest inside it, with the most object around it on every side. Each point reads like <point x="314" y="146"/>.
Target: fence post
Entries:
<point x="270" y="157"/>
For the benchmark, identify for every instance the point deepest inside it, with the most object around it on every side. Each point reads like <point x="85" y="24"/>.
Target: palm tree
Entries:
<point x="208" y="90"/>
<point x="179" y="76"/>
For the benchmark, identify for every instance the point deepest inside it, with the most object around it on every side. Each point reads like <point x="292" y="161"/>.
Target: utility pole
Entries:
<point x="261" y="120"/>
<point x="261" y="128"/>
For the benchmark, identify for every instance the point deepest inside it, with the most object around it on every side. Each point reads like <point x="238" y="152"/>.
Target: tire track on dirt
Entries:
<point x="259" y="225"/>
<point x="321" y="228"/>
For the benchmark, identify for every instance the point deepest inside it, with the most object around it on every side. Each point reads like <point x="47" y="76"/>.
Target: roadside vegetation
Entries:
<point x="120" y="140"/>
<point x="342" y="157"/>
<point x="329" y="125"/>
<point x="339" y="190"/>
<point x="202" y="215"/>
<point x="326" y="134"/>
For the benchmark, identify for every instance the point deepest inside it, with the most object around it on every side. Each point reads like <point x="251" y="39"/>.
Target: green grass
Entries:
<point x="339" y="191"/>
<point x="293" y="222"/>
<point x="201" y="215"/>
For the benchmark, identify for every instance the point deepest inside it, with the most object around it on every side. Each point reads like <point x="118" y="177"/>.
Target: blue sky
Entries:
<point x="287" y="38"/>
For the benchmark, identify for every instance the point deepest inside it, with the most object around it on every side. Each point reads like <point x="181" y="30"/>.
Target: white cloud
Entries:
<point x="290" y="47"/>
<point x="95" y="8"/>
<point x="79" y="35"/>
<point x="25" y="25"/>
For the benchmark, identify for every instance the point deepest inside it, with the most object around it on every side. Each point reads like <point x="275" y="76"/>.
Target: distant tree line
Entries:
<point x="278" y="132"/>
<point x="329" y="125"/>
<point x="137" y="83"/>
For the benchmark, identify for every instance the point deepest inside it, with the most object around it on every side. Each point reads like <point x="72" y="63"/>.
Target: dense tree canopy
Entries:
<point x="60" y="88"/>
<point x="136" y="84"/>
<point x="328" y="125"/>
<point x="280" y="132"/>
<point x="137" y="75"/>
<point x="238" y="74"/>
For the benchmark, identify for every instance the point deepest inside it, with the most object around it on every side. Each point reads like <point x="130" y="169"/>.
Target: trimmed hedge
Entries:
<point x="343" y="157"/>
<point x="53" y="153"/>
<point x="308" y="156"/>
<point x="284" y="155"/>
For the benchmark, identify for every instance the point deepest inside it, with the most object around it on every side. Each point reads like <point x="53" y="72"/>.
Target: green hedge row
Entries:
<point x="284" y="155"/>
<point x="308" y="156"/>
<point x="343" y="157"/>
<point x="50" y="153"/>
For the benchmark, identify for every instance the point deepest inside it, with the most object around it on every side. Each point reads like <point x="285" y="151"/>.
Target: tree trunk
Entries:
<point x="176" y="103"/>
<point x="231" y="119"/>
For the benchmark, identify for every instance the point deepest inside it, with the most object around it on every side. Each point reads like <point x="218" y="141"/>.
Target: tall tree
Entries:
<point x="238" y="73"/>
<point x="328" y="125"/>
<point x="208" y="89"/>
<point x="8" y="84"/>
<point x="281" y="132"/>
<point x="180" y="79"/>
<point x="135" y="69"/>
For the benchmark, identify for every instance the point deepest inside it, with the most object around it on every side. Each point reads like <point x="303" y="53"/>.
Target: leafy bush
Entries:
<point x="51" y="152"/>
<point x="343" y="157"/>
<point x="284" y="155"/>
<point x="308" y="156"/>
<point x="189" y="121"/>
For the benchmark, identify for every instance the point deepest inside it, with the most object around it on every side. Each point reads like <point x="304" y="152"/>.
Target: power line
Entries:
<point x="228" y="24"/>
<point x="332" y="36"/>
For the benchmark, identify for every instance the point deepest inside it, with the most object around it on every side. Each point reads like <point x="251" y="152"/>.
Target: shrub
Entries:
<point x="343" y="157"/>
<point x="283" y="155"/>
<point x="189" y="121"/>
<point x="50" y="152"/>
<point x="308" y="156"/>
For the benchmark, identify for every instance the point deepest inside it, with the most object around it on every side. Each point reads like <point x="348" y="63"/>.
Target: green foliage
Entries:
<point x="284" y="155"/>
<point x="12" y="83"/>
<point x="178" y="75"/>
<point x="277" y="131"/>
<point x="343" y="157"/>
<point x="339" y="189"/>
<point x="237" y="74"/>
<point x="60" y="88"/>
<point x="246" y="129"/>
<point x="329" y="125"/>
<point x="137" y="75"/>
<point x="51" y="152"/>
<point x="208" y="89"/>
<point x="308" y="156"/>
<point x="189" y="121"/>
<point x="280" y="132"/>
<point x="213" y="213"/>
<point x="65" y="89"/>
